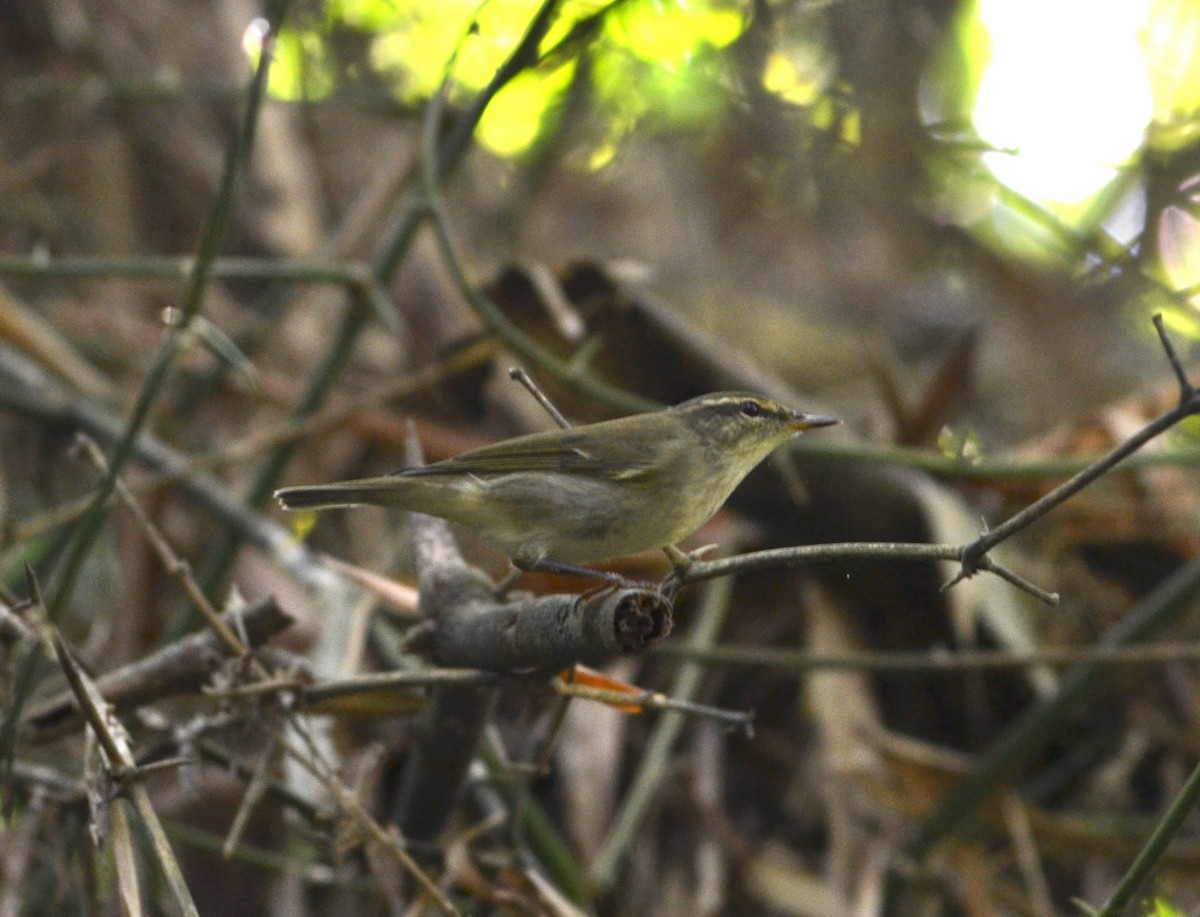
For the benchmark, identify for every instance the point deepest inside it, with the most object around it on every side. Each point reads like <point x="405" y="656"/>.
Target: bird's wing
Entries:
<point x="566" y="452"/>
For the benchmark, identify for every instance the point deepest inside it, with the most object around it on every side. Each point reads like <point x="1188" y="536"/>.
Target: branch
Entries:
<point x="972" y="556"/>
<point x="181" y="667"/>
<point x="121" y="767"/>
<point x="551" y="632"/>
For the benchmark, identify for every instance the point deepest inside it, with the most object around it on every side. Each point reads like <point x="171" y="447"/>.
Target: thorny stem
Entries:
<point x="972" y="557"/>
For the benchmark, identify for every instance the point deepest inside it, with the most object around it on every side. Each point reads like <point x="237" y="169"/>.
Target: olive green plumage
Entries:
<point x="588" y="493"/>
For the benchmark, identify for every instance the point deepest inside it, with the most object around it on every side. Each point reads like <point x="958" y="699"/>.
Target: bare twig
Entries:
<point x="182" y="666"/>
<point x="180" y="267"/>
<point x="539" y="396"/>
<point x="654" y="700"/>
<point x="174" y="564"/>
<point x="972" y="556"/>
<point x="387" y="840"/>
<point x="122" y="769"/>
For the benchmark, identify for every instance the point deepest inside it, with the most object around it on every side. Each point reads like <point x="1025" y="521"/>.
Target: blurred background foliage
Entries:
<point x="947" y="221"/>
<point x="1046" y="133"/>
<point x="1064" y="123"/>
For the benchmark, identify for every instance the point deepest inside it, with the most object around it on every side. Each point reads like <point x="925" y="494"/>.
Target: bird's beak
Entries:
<point x="803" y="422"/>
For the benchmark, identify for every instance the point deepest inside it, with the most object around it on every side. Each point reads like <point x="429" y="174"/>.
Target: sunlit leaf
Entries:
<point x="300" y="68"/>
<point x="783" y="78"/>
<point x="1161" y="908"/>
<point x="1171" y="43"/>
<point x="670" y="32"/>
<point x="513" y="120"/>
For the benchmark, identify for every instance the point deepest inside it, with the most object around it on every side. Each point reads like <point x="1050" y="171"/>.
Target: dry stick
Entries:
<point x="174" y="564"/>
<point x="1029" y="861"/>
<point x="124" y="862"/>
<point x="550" y="632"/>
<point x="386" y="840"/>
<point x="122" y="768"/>
<point x="539" y="396"/>
<point x="179" y="568"/>
<point x="256" y="790"/>
<point x="182" y="666"/>
<point x="381" y="681"/>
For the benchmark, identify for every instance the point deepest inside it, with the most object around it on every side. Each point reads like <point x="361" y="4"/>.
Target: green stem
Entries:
<point x="81" y="539"/>
<point x="1133" y="880"/>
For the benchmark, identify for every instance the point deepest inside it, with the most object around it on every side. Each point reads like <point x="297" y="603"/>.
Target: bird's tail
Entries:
<point x="373" y="491"/>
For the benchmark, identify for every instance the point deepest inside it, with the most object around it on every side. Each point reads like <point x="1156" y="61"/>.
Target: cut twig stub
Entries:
<point x="552" y="632"/>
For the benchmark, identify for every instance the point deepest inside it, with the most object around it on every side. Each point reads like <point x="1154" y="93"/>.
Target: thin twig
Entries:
<point x="755" y="561"/>
<point x="1189" y="404"/>
<point x="122" y="768"/>
<point x="181" y="267"/>
<point x="1139" y="871"/>
<point x="518" y="374"/>
<point x="1186" y="389"/>
<point x="972" y="556"/>
<point x="174" y="564"/>
<point x="387" y="841"/>
<point x="653" y="700"/>
<point x="381" y="681"/>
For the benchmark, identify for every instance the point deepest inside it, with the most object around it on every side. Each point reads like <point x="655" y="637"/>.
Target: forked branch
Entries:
<point x="972" y="557"/>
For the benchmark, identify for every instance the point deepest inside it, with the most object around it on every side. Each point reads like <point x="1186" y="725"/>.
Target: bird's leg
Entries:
<point x="560" y="569"/>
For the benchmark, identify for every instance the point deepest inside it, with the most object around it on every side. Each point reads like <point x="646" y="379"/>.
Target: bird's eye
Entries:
<point x="750" y="408"/>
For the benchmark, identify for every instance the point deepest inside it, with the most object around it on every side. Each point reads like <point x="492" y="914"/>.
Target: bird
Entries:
<point x="563" y="498"/>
